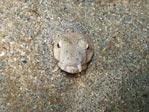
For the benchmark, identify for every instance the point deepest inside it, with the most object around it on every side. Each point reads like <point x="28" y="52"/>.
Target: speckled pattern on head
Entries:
<point x="73" y="51"/>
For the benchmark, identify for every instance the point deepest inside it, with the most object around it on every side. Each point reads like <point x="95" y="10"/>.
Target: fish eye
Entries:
<point x="88" y="47"/>
<point x="58" y="45"/>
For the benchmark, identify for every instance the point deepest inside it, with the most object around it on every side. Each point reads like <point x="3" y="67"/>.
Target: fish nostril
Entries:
<point x="77" y="59"/>
<point x="79" y="53"/>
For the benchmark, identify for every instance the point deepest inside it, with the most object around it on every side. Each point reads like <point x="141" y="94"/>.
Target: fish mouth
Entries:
<point x="74" y="69"/>
<point x="71" y="68"/>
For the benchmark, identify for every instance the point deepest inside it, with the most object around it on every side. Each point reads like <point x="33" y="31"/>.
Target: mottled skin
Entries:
<point x="73" y="51"/>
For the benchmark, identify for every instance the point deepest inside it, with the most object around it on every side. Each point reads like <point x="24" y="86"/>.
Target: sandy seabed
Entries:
<point x="117" y="79"/>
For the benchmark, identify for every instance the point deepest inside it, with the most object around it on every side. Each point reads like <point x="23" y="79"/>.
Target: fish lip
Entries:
<point x="79" y="66"/>
<point x="71" y="68"/>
